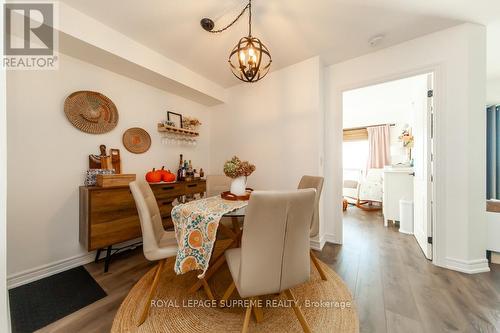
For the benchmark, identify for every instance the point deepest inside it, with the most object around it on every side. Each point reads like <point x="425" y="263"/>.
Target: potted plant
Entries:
<point x="238" y="170"/>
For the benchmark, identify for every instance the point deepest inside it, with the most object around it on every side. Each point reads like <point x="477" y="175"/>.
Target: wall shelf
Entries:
<point x="175" y="130"/>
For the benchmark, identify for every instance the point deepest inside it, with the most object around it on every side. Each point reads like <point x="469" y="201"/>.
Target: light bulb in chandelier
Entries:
<point x="250" y="59"/>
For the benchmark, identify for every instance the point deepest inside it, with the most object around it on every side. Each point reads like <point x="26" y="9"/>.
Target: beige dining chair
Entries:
<point x="216" y="184"/>
<point x="157" y="244"/>
<point x="317" y="184"/>
<point x="274" y="252"/>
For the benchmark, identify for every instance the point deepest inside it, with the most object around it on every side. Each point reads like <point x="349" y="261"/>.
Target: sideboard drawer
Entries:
<point x="168" y="190"/>
<point x="165" y="206"/>
<point x="113" y="217"/>
<point x="194" y="188"/>
<point x="114" y="232"/>
<point x="109" y="204"/>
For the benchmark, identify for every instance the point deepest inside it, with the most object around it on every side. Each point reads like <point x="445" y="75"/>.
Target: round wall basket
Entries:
<point x="136" y="140"/>
<point x="91" y="112"/>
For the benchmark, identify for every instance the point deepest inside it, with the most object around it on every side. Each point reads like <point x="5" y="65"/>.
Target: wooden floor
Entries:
<point x="395" y="288"/>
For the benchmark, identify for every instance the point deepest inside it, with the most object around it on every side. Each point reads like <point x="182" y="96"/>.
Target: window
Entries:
<point x="355" y="156"/>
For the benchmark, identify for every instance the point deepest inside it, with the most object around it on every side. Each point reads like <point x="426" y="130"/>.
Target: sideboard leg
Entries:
<point x="107" y="260"/>
<point x="97" y="255"/>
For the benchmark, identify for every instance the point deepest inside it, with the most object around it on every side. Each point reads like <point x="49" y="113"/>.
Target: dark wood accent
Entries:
<point x="108" y="216"/>
<point x="493" y="206"/>
<point x="229" y="196"/>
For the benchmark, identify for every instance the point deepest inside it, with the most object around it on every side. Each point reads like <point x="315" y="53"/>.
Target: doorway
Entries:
<point x="388" y="154"/>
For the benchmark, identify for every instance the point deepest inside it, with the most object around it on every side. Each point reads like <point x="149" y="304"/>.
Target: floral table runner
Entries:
<point x="196" y="224"/>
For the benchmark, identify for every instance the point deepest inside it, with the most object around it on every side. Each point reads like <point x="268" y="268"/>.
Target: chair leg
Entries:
<point x="318" y="266"/>
<point x="257" y="311"/>
<point x="298" y="312"/>
<point x="154" y="285"/>
<point x="227" y="293"/>
<point x="207" y="289"/>
<point x="248" y="313"/>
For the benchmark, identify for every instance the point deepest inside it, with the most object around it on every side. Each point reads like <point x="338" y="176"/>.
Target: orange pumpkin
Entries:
<point x="168" y="177"/>
<point x="153" y="176"/>
<point x="163" y="172"/>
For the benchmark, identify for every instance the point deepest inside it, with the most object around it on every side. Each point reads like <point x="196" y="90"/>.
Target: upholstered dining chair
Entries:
<point x="157" y="244"/>
<point x="276" y="260"/>
<point x="317" y="184"/>
<point x="216" y="184"/>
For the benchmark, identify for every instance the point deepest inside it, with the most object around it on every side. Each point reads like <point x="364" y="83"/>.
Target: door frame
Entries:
<point x="438" y="99"/>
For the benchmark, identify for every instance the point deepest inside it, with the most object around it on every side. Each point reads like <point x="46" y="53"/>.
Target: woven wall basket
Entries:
<point x="91" y="112"/>
<point x="136" y="140"/>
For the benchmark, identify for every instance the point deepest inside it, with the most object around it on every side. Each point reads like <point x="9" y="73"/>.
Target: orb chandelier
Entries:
<point x="250" y="60"/>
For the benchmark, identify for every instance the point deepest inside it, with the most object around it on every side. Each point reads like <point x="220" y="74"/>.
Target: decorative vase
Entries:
<point x="238" y="186"/>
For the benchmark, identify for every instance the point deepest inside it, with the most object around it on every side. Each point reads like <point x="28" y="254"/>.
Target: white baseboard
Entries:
<point x="37" y="273"/>
<point x="40" y="272"/>
<point x="468" y="266"/>
<point x="330" y="238"/>
<point x="317" y="243"/>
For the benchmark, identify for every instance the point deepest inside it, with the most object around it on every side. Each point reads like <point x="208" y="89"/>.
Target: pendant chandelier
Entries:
<point x="250" y="59"/>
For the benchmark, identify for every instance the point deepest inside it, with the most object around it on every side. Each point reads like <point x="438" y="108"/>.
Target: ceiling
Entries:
<point x="293" y="30"/>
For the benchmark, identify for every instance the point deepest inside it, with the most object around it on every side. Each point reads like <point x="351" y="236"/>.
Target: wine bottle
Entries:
<point x="179" y="171"/>
<point x="190" y="169"/>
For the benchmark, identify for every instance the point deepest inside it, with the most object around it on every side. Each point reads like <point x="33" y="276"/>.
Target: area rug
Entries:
<point x="327" y="306"/>
<point x="37" y="304"/>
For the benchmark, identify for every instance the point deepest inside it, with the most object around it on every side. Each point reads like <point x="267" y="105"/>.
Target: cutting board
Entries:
<point x="95" y="160"/>
<point x="104" y="161"/>
<point x="115" y="160"/>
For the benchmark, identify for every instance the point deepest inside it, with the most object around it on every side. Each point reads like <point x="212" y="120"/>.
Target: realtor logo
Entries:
<point x="30" y="39"/>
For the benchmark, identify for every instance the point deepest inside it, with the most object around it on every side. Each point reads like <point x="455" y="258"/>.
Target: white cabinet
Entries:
<point x="398" y="184"/>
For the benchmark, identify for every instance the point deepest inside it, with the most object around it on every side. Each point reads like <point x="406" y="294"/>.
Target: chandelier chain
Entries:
<point x="249" y="7"/>
<point x="249" y="17"/>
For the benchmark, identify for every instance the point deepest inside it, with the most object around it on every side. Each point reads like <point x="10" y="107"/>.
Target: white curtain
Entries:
<point x="379" y="147"/>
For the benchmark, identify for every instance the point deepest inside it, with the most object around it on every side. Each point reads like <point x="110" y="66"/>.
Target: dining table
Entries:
<point x="203" y="219"/>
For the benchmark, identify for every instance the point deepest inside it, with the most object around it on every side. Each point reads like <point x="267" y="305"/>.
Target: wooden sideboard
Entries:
<point x="108" y="216"/>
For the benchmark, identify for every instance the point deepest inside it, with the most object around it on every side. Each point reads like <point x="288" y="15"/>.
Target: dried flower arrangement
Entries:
<point x="190" y="123"/>
<point x="407" y="138"/>
<point x="235" y="168"/>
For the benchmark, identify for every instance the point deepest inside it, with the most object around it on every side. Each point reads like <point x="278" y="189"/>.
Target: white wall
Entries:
<point x="395" y="102"/>
<point x="47" y="156"/>
<point x="458" y="56"/>
<point x="4" y="314"/>
<point x="388" y="102"/>
<point x="493" y="91"/>
<point x="276" y="123"/>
